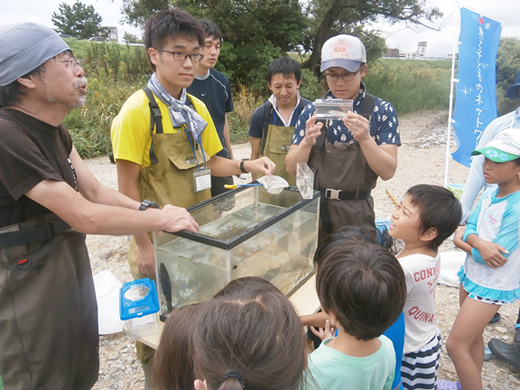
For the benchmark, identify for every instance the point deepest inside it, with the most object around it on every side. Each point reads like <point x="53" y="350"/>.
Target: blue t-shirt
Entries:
<point x="396" y="334"/>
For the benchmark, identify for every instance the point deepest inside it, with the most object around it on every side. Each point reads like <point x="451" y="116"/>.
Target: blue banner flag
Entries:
<point x="476" y="102"/>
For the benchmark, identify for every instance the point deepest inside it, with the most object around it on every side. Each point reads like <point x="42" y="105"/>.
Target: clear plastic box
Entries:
<point x="243" y="232"/>
<point x="304" y="180"/>
<point x="334" y="109"/>
<point x="139" y="306"/>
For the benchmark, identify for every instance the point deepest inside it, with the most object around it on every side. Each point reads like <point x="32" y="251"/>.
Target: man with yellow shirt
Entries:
<point x="163" y="139"/>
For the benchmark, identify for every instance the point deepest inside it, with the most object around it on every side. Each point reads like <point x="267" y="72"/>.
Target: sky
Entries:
<point x="440" y="43"/>
<point x="406" y="38"/>
<point x="40" y="11"/>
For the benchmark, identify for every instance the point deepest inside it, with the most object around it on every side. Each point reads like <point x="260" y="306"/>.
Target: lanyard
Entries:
<point x="192" y="142"/>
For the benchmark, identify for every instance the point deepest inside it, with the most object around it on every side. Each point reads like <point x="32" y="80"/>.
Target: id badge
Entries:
<point x="202" y="180"/>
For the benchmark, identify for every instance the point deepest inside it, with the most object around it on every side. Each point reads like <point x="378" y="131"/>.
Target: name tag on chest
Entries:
<point x="201" y="180"/>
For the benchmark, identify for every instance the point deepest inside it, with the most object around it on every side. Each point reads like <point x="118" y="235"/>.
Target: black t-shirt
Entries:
<point x="30" y="151"/>
<point x="215" y="91"/>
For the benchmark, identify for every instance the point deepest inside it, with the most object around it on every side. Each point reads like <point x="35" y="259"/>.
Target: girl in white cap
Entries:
<point x="490" y="276"/>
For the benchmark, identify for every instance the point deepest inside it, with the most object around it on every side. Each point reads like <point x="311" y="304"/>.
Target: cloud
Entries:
<point x="440" y="43"/>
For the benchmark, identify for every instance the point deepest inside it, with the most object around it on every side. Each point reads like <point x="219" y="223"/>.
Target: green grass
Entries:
<point x="90" y="125"/>
<point x="411" y="85"/>
<point x="116" y="71"/>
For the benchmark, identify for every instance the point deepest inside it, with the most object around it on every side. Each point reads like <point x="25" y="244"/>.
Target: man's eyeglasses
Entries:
<point x="72" y="61"/>
<point x="347" y="76"/>
<point x="181" y="56"/>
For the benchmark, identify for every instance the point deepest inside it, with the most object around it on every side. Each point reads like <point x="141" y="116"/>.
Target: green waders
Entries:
<point x="168" y="181"/>
<point x="276" y="146"/>
<point x="48" y="312"/>
<point x="342" y="174"/>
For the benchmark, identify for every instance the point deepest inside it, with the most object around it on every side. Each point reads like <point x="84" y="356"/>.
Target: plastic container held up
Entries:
<point x="335" y="109"/>
<point x="139" y="306"/>
<point x="247" y="231"/>
<point x="304" y="180"/>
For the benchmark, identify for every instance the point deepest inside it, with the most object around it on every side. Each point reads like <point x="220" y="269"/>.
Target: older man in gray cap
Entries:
<point x="49" y="200"/>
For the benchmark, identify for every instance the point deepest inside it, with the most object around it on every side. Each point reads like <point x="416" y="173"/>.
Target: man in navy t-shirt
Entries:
<point x="214" y="89"/>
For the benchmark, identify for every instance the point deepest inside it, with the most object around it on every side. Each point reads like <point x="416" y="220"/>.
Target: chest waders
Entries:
<point x="48" y="310"/>
<point x="276" y="142"/>
<point x="168" y="180"/>
<point x="345" y="180"/>
<point x="275" y="145"/>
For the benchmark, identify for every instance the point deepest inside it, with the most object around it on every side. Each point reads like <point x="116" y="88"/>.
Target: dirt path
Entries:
<point x="421" y="160"/>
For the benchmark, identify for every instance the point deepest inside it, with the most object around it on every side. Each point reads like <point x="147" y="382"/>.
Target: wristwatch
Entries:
<point x="148" y="203"/>
<point x="242" y="168"/>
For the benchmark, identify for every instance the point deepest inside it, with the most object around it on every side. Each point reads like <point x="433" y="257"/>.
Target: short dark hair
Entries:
<point x="341" y="236"/>
<point x="251" y="329"/>
<point x="363" y="284"/>
<point x="438" y="208"/>
<point x="10" y="94"/>
<point x="171" y="23"/>
<point x="211" y="29"/>
<point x="286" y="66"/>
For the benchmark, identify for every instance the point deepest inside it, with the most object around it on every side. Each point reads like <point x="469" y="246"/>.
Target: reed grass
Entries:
<point x="411" y="85"/>
<point x="115" y="72"/>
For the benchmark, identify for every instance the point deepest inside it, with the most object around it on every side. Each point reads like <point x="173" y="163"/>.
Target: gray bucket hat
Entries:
<point x="24" y="47"/>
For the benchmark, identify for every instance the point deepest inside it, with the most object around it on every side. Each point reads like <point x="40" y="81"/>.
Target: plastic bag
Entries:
<point x="273" y="184"/>
<point x="107" y="295"/>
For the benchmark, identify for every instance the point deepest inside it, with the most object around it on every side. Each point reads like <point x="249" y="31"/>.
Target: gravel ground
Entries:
<point x="421" y="160"/>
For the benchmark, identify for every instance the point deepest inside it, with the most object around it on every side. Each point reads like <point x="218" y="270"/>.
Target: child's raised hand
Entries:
<point x="324" y="333"/>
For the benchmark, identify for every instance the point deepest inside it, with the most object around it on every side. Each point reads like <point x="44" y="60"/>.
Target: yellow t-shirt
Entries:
<point x="130" y="133"/>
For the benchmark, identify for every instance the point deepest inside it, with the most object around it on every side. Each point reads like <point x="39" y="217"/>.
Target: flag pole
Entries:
<point x="450" y="110"/>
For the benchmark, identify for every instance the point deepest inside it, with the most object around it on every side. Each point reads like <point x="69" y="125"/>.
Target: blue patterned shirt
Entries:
<point x="383" y="123"/>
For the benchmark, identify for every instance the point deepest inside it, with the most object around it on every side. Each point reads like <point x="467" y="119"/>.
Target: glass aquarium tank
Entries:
<point x="243" y="232"/>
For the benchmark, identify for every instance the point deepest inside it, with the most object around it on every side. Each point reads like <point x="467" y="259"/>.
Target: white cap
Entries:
<point x="503" y="148"/>
<point x="344" y="51"/>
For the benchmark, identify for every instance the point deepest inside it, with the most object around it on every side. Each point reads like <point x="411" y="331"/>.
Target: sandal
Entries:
<point x="448" y="385"/>
<point x="497" y="317"/>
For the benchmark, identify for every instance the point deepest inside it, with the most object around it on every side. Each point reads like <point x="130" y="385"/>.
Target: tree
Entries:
<point x="131" y="38"/>
<point x="79" y="20"/>
<point x="332" y="17"/>
<point x="136" y="12"/>
<point x="508" y="60"/>
<point x="256" y="31"/>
